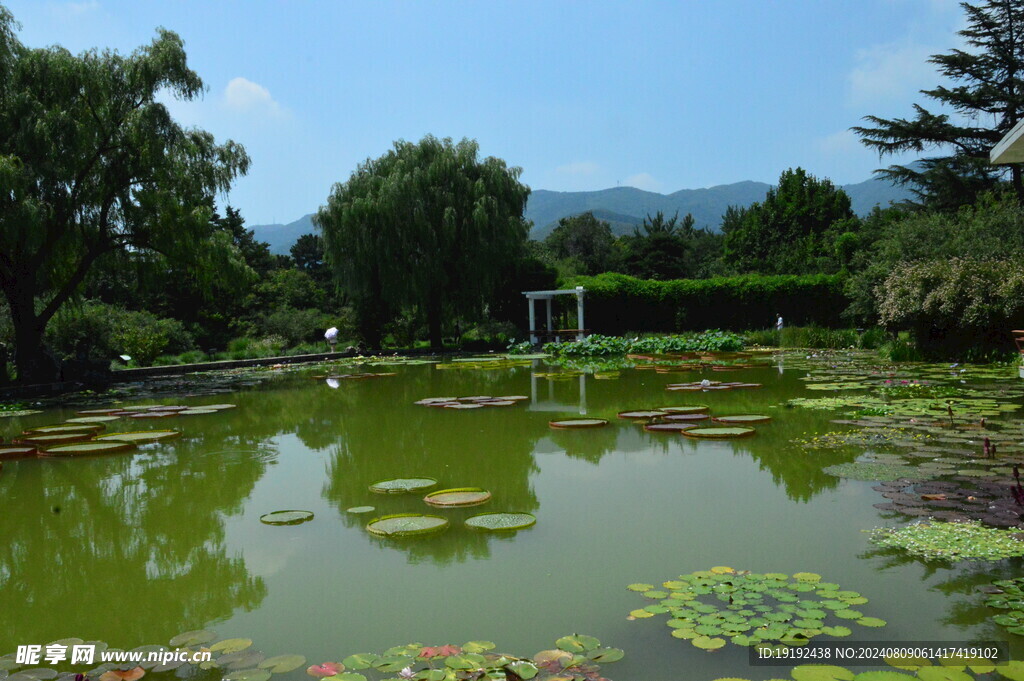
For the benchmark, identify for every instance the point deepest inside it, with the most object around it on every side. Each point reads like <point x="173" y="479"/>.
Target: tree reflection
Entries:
<point x="123" y="548"/>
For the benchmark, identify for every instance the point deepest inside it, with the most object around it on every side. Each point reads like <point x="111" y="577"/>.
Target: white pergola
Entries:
<point x="546" y="296"/>
<point x="1010" y="149"/>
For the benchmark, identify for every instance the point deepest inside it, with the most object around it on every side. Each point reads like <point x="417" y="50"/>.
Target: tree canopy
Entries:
<point x="586" y="240"/>
<point x="92" y="164"/>
<point x="793" y="231"/>
<point x="984" y="100"/>
<point x="427" y="226"/>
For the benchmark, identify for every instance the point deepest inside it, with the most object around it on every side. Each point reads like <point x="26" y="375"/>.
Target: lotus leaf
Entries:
<point x="281" y="664"/>
<point x="84" y="448"/>
<point x="192" y="638"/>
<point x="141" y="436"/>
<point x="743" y="418"/>
<point x="359" y="661"/>
<point x="231" y="645"/>
<point x="951" y="541"/>
<point x="723" y="432"/>
<point x="360" y="509"/>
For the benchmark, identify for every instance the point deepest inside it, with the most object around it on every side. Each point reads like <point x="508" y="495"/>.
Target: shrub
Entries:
<point x="597" y="345"/>
<point x="296" y="326"/>
<point x="616" y="302"/>
<point x="100" y="331"/>
<point x="961" y="308"/>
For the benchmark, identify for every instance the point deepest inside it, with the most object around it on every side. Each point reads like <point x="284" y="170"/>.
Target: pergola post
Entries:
<point x="533" y="336"/>
<point x="579" y="313"/>
<point x="548" y="301"/>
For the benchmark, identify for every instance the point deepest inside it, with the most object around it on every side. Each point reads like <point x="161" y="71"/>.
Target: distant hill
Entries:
<point x="625" y="207"/>
<point x="282" y="237"/>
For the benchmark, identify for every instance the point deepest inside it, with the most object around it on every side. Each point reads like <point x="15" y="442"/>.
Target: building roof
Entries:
<point x="1010" y="149"/>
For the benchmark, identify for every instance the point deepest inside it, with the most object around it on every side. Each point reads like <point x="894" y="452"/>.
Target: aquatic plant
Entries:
<point x="1008" y="595"/>
<point x="910" y="669"/>
<point x="235" y="659"/>
<point x="951" y="541"/>
<point x="708" y="606"/>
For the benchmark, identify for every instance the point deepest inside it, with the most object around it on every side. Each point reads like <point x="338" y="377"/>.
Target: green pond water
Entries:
<point x="135" y="548"/>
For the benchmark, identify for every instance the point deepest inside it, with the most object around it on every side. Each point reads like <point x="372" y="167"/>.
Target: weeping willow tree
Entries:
<point x="428" y="226"/>
<point x="92" y="165"/>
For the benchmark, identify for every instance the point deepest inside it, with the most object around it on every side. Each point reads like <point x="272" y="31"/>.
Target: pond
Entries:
<point x="134" y="548"/>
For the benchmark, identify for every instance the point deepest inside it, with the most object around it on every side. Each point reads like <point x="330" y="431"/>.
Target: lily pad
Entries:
<point x="402" y="485"/>
<point x="86" y="448"/>
<point x="458" y="496"/>
<point x="578" y="423"/>
<point x="689" y="409"/>
<point x="247" y="675"/>
<point x="951" y="541"/>
<point x="66" y="428"/>
<point x="360" y="509"/>
<point x="676" y="427"/>
<point x="192" y="638"/>
<point x="281" y="664"/>
<point x="16" y="451"/>
<point x="55" y="439"/>
<point x="231" y="645"/>
<point x="717" y="433"/>
<point x="141" y="436"/>
<point x="406" y="525"/>
<point x="641" y="414"/>
<point x="743" y="418"/>
<point x="92" y="419"/>
<point x="286" y="517"/>
<point x="501" y="522"/>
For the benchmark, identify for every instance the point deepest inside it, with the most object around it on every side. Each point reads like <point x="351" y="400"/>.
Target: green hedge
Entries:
<point x="616" y="303"/>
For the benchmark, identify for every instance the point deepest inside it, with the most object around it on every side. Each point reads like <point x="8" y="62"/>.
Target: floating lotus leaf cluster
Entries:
<point x="909" y="670"/>
<point x="690" y="420"/>
<point x="951" y="541"/>
<point x="576" y="657"/>
<point x="398" y="525"/>
<point x="712" y="607"/>
<point x="235" y="659"/>
<point x="989" y="500"/>
<point x="1007" y="595"/>
<point x="498" y="363"/>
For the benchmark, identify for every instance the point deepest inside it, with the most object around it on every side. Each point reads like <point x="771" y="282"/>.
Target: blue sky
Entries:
<point x="582" y="95"/>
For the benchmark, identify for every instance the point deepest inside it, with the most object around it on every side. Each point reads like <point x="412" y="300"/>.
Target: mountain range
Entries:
<point x="624" y="208"/>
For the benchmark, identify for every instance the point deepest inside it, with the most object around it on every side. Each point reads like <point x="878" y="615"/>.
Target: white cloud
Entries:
<point x="643" y="181"/>
<point x="839" y="143"/>
<point x="578" y="169"/>
<point x="891" y="72"/>
<point x="244" y="96"/>
<point x="71" y="10"/>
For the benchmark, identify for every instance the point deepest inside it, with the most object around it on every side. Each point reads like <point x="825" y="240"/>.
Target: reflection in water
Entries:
<point x="385" y="436"/>
<point x="125" y="549"/>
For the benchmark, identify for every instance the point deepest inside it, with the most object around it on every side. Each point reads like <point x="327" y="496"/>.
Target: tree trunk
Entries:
<point x="33" y="363"/>
<point x="434" y="325"/>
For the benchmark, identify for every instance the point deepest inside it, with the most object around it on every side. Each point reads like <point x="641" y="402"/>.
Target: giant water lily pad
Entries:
<point x="687" y="418"/>
<point x="290" y="517"/>
<point x="406" y="525"/>
<point x="66" y="428"/>
<point x="641" y="414"/>
<point x="688" y="409"/>
<point x="578" y="423"/>
<point x="92" y="419"/>
<point x="719" y="432"/>
<point x="16" y="451"/>
<point x="87" y="448"/>
<point x="141" y="436"/>
<point x="55" y="439"/>
<point x="750" y="608"/>
<point x="743" y="419"/>
<point x="402" y="485"/>
<point x="501" y="522"/>
<point x="674" y="427"/>
<point x="458" y="496"/>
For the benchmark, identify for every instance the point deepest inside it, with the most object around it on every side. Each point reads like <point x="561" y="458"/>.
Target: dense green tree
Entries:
<point x="427" y="225"/>
<point x="92" y="164"/>
<point x="991" y="229"/>
<point x="586" y="240"/>
<point x="985" y="96"/>
<point x="659" y="248"/>
<point x="308" y="254"/>
<point x="793" y="231"/>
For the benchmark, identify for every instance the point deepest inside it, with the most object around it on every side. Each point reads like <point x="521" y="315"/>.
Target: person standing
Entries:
<point x="778" y="323"/>
<point x="332" y="337"/>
